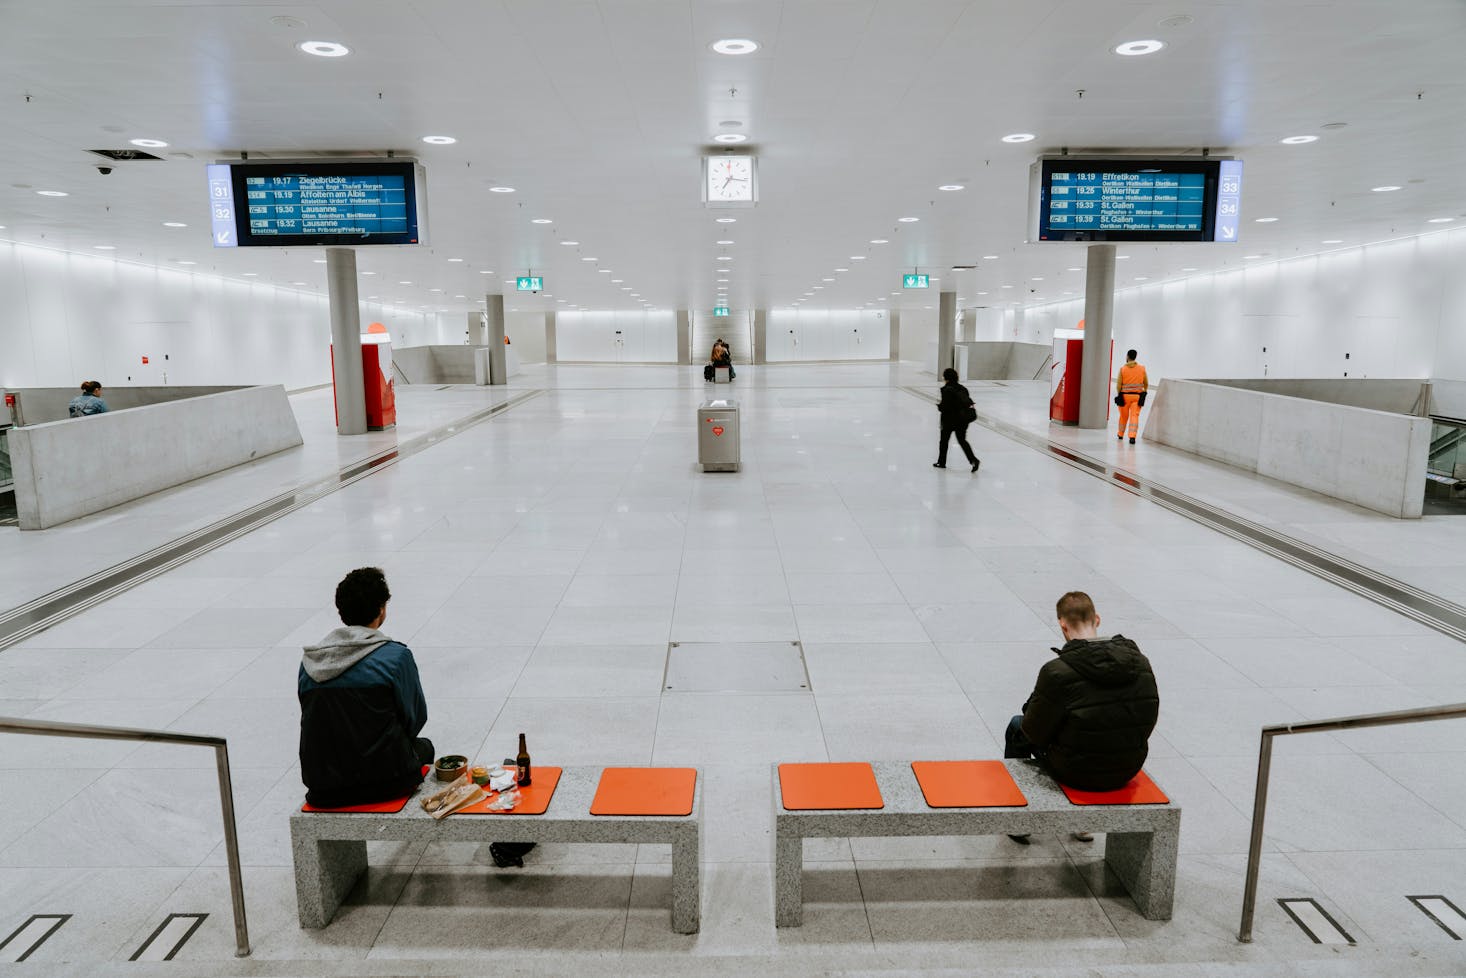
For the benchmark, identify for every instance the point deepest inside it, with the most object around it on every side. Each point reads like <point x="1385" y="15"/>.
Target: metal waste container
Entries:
<point x="718" y="448"/>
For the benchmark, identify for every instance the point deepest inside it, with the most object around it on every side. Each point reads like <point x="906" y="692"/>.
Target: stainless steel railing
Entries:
<point x="1264" y="767"/>
<point x="47" y="728"/>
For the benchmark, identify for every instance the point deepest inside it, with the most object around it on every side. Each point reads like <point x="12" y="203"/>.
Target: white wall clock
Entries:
<point x="729" y="181"/>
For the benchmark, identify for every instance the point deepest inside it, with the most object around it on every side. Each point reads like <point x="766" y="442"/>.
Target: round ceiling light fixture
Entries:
<point x="185" y="261"/>
<point x="53" y="193"/>
<point x="908" y="220"/>
<point x="1019" y="137"/>
<point x="734" y="45"/>
<point x="455" y="259"/>
<point x="1440" y="220"/>
<point x="570" y="243"/>
<point x="174" y="224"/>
<point x="727" y="220"/>
<point x="1132" y="49"/>
<point x="439" y="140"/>
<point x="1332" y="241"/>
<point x="879" y="241"/>
<point x="148" y="143"/>
<point x="105" y="247"/>
<point x="857" y="258"/>
<point x="1387" y="188"/>
<point x="1297" y="140"/>
<point x="842" y="269"/>
<point x="952" y="186"/>
<point x="989" y="257"/>
<point x="724" y="241"/>
<point x="730" y="137"/>
<point x="324" y="49"/>
<point x="1266" y="220"/>
<point x="542" y="220"/>
<point x="587" y="259"/>
<point x="501" y="190"/>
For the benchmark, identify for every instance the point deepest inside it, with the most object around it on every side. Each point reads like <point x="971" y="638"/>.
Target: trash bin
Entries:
<point x="718" y="448"/>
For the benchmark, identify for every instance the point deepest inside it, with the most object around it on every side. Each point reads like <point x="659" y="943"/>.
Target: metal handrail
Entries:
<point x="1264" y="767"/>
<point x="48" y="728"/>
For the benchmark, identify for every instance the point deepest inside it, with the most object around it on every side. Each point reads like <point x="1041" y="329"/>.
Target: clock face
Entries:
<point x="730" y="179"/>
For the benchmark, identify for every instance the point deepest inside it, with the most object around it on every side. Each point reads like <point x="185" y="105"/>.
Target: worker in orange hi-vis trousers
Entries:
<point x="1131" y="384"/>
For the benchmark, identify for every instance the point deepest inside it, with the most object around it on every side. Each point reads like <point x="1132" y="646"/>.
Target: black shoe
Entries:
<point x="1119" y="438"/>
<point x="1132" y="441"/>
<point x="507" y="854"/>
<point x="939" y="465"/>
<point x="976" y="464"/>
<point x="1022" y="840"/>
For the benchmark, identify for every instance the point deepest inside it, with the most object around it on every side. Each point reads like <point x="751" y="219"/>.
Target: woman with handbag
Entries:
<point x="957" y="411"/>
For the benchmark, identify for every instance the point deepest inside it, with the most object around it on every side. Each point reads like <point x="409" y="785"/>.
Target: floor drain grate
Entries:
<point x="735" y="667"/>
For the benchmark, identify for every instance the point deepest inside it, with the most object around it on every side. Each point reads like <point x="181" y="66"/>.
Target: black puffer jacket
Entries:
<point x="1092" y="712"/>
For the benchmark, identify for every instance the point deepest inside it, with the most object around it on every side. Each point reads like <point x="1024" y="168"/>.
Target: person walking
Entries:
<point x="957" y="412"/>
<point x="1131" y="385"/>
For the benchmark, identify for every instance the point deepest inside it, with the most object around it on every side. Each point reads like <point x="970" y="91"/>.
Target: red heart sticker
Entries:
<point x="718" y="430"/>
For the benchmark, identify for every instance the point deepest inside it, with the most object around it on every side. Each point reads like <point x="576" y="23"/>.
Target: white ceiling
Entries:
<point x="597" y="113"/>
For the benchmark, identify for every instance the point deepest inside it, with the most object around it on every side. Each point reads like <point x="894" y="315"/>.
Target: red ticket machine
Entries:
<point x="376" y="376"/>
<point x="1064" y="375"/>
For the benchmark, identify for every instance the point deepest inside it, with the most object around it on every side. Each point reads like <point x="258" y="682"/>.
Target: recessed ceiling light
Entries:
<point x="1440" y="220"/>
<point x="604" y="271"/>
<point x="292" y="283"/>
<point x="1075" y="268"/>
<point x="435" y="290"/>
<point x="951" y="186"/>
<point x="439" y="140"/>
<point x="725" y="241"/>
<point x="725" y="258"/>
<point x="53" y="193"/>
<point x="460" y="297"/>
<point x="827" y="280"/>
<point x="1142" y="278"/>
<point x="369" y="273"/>
<point x="587" y="259"/>
<point x="1333" y="241"/>
<point x="1379" y="190"/>
<point x="857" y="258"/>
<point x="324" y="49"/>
<point x="878" y="241"/>
<point x="1121" y="257"/>
<point x="734" y="45"/>
<point x="174" y="224"/>
<point x="842" y="269"/>
<point x="1131" y="49"/>
<point x="989" y="257"/>
<point x="1266" y="220"/>
<point x="727" y="220"/>
<point x="625" y="288"/>
<point x="818" y="288"/>
<point x="1298" y="140"/>
<point x="404" y="283"/>
<point x="501" y="190"/>
<point x="570" y="243"/>
<point x="185" y="261"/>
<point x="617" y="281"/>
<point x="730" y="137"/>
<point x="982" y="293"/>
<point x="722" y="280"/>
<point x="1019" y="137"/>
<point x="1037" y="278"/>
<point x="148" y="143"/>
<point x="455" y="259"/>
<point x="256" y="275"/>
<point x="105" y="247"/>
<point x="1188" y="269"/>
<point x="1250" y="257"/>
<point x="908" y="220"/>
<point x="1007" y="286"/>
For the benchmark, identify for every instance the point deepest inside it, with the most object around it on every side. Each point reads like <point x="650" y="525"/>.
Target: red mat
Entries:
<point x="534" y="800"/>
<point x="1140" y="791"/>
<point x="645" y="791"/>
<point x="967" y="784"/>
<point x="829" y="787"/>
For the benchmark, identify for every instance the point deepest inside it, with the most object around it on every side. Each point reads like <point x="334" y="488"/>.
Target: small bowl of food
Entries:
<point x="450" y="767"/>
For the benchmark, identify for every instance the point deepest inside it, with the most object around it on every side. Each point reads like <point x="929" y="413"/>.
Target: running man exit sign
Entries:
<point x="915" y="281"/>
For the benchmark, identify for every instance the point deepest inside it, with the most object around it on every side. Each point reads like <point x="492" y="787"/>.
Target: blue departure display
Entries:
<point x="314" y="205"/>
<point x="1094" y="200"/>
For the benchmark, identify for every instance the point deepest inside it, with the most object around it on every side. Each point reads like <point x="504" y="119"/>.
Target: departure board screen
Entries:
<point x="284" y="204"/>
<point x="1133" y="200"/>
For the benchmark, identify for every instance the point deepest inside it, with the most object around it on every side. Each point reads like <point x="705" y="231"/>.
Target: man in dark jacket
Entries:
<point x="361" y="705"/>
<point x="957" y="413"/>
<point x="1093" y="708"/>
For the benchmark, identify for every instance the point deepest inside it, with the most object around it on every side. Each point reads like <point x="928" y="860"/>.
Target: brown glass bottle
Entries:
<point x="522" y="760"/>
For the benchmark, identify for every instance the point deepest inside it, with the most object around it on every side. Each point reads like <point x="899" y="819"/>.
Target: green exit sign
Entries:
<point x="915" y="281"/>
<point x="720" y="310"/>
<point x="530" y="283"/>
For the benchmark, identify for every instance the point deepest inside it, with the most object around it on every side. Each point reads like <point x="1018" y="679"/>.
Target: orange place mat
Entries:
<point x="1140" y="791"/>
<point x="822" y="787"/>
<point x="645" y="791"/>
<point x="534" y="800"/>
<point x="967" y="784"/>
<point x="378" y="807"/>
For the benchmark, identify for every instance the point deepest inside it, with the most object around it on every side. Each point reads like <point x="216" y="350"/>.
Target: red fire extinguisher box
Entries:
<point x="1064" y="375"/>
<point x="376" y="375"/>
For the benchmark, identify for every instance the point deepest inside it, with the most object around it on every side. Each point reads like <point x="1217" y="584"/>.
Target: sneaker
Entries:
<point x="939" y="465"/>
<point x="976" y="464"/>
<point x="1081" y="836"/>
<point x="1022" y="840"/>
<point x="1132" y="441"/>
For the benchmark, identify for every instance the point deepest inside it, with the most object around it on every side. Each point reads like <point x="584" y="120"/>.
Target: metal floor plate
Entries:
<point x="735" y="667"/>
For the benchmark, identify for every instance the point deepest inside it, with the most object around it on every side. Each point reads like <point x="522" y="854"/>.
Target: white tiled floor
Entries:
<point x="541" y="563"/>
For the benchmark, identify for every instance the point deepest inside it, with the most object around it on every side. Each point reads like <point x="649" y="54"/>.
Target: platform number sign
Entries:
<point x="915" y="281"/>
<point x="221" y="206"/>
<point x="530" y="283"/>
<point x="1229" y="200"/>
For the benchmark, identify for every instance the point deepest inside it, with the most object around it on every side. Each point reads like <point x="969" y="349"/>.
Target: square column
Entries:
<point x="550" y="356"/>
<point x="760" y="336"/>
<point x="494" y="337"/>
<point x="351" y="417"/>
<point x="684" y="338"/>
<point x="946" y="330"/>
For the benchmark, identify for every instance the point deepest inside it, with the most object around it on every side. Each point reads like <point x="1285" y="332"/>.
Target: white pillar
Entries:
<point x="351" y="416"/>
<point x="946" y="330"/>
<point x="1099" y="309"/>
<point x="684" y="337"/>
<point x="760" y="336"/>
<point x="550" y="355"/>
<point x="494" y="337"/>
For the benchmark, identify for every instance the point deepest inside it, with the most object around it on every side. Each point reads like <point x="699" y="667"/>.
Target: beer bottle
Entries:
<point x="522" y="760"/>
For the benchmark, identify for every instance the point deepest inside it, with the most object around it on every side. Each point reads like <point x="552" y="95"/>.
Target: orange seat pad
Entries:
<point x="824" y="787"/>
<point x="1140" y="791"/>
<point x="645" y="791"/>
<point x="377" y="807"/>
<point x="534" y="800"/>
<point x="967" y="784"/>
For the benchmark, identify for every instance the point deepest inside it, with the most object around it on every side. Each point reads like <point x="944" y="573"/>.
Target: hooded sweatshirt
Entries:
<point x="1092" y="712"/>
<point x="361" y="710"/>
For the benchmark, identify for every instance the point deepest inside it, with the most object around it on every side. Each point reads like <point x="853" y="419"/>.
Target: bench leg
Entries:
<point x="686" y="884"/>
<point x="1146" y="864"/>
<point x="324" y="873"/>
<point x="788" y="878"/>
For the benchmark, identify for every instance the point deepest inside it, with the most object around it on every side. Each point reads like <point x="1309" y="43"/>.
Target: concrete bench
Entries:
<point x="1140" y="840"/>
<point x="331" y="854"/>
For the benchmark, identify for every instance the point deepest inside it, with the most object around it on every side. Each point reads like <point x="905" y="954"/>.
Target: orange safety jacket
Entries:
<point x="1132" y="379"/>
